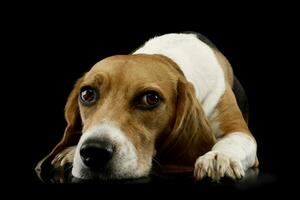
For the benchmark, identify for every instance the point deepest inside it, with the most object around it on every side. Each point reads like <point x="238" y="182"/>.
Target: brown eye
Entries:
<point x="88" y="95"/>
<point x="148" y="100"/>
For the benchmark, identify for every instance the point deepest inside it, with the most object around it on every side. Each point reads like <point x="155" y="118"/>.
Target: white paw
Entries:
<point x="217" y="165"/>
<point x="64" y="157"/>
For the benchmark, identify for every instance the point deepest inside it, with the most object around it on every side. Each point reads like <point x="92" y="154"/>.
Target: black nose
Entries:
<point x="96" y="154"/>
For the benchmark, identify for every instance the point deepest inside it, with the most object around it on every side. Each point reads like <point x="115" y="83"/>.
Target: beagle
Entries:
<point x="168" y="106"/>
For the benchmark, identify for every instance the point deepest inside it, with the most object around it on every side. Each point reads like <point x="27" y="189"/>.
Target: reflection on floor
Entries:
<point x="252" y="179"/>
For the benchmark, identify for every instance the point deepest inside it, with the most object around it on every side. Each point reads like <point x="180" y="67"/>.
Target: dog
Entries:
<point x="172" y="105"/>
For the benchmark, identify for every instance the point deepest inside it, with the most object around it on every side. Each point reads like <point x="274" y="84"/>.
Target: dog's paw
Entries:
<point x="216" y="165"/>
<point x="64" y="157"/>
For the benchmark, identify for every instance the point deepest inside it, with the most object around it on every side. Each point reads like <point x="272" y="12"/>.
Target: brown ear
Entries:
<point x="191" y="136"/>
<point x="73" y="130"/>
<point x="71" y="136"/>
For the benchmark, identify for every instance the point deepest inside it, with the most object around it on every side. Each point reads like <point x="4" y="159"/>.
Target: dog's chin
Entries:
<point x="108" y="174"/>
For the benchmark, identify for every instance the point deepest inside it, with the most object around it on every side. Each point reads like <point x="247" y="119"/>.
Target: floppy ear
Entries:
<point x="74" y="125"/>
<point x="44" y="168"/>
<point x="191" y="135"/>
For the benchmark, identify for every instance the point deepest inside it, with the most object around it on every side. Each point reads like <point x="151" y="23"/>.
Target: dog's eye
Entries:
<point x="148" y="100"/>
<point x="88" y="95"/>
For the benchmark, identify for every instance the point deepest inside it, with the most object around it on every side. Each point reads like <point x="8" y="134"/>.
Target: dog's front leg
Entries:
<point x="61" y="162"/>
<point x="230" y="156"/>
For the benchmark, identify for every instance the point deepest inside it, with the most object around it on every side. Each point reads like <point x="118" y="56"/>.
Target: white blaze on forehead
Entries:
<point x="124" y="161"/>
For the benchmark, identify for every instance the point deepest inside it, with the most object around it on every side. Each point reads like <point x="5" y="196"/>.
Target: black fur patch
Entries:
<point x="203" y="39"/>
<point x="241" y="98"/>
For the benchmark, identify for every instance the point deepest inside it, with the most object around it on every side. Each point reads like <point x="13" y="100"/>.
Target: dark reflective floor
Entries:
<point x="253" y="178"/>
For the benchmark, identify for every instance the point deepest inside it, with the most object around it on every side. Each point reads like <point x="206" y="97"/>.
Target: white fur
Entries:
<point x="197" y="61"/>
<point x="230" y="156"/>
<point x="124" y="162"/>
<point x="238" y="146"/>
<point x="233" y="153"/>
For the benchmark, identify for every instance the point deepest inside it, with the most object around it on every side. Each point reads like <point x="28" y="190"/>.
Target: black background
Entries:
<point x="50" y="47"/>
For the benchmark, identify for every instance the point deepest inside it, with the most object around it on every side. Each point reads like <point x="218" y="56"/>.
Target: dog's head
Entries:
<point x="130" y="109"/>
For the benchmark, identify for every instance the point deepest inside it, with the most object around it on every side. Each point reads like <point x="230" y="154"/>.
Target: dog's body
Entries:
<point x="171" y="100"/>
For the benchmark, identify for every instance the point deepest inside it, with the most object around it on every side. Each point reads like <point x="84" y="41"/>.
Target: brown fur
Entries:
<point x="177" y="131"/>
<point x="179" y="121"/>
<point x="228" y="73"/>
<point x="192" y="135"/>
<point x="70" y="137"/>
<point x="195" y="134"/>
<point x="229" y="116"/>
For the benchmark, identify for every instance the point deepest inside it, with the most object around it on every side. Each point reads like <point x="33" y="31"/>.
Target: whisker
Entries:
<point x="156" y="162"/>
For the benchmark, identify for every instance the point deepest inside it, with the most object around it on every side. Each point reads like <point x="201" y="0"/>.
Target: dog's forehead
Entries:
<point x="129" y="67"/>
